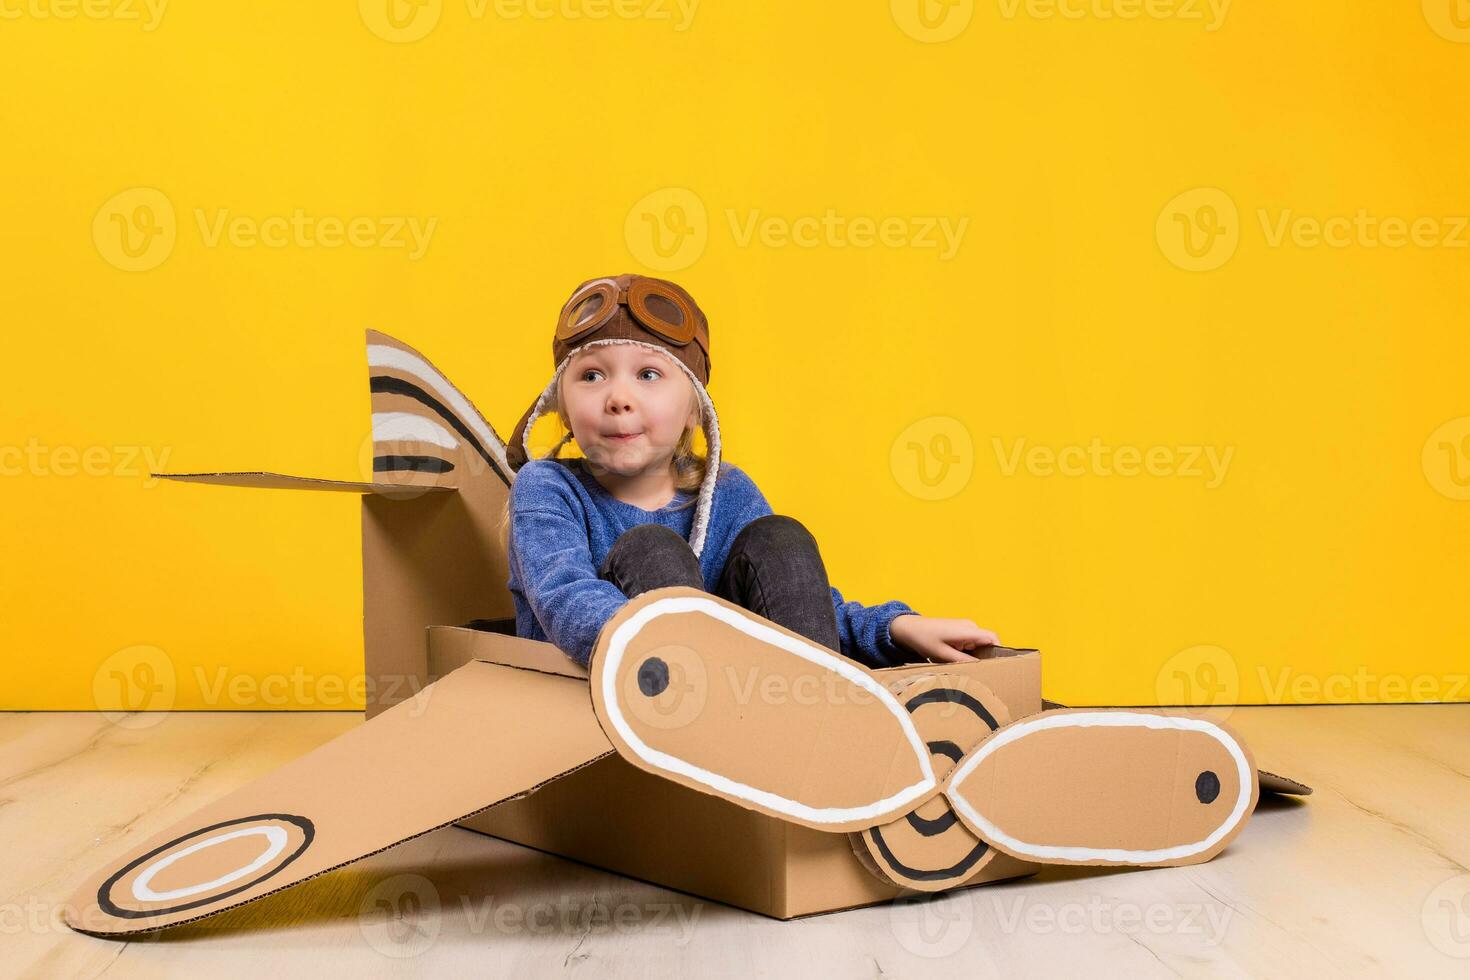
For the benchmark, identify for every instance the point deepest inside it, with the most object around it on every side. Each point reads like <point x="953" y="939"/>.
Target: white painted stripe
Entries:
<point x="276" y="836"/>
<point x="1092" y="719"/>
<point x="407" y="427"/>
<point x="874" y="812"/>
<point x="381" y="355"/>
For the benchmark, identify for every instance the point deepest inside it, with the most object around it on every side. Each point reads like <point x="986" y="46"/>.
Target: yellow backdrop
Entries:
<point x="1134" y="331"/>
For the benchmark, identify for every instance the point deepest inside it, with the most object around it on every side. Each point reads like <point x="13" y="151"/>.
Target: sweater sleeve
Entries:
<point x="553" y="561"/>
<point x="865" y="634"/>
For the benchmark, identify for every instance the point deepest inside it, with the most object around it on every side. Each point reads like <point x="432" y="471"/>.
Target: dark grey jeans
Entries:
<point x="774" y="569"/>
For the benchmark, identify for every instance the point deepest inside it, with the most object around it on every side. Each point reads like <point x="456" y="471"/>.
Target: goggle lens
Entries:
<point x="665" y="313"/>
<point x="660" y="311"/>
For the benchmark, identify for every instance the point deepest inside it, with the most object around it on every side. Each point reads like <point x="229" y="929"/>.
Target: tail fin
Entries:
<point x="432" y="515"/>
<point x="439" y="557"/>
<point x="425" y="431"/>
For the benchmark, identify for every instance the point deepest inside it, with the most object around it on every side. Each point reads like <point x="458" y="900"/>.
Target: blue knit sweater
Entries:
<point x="563" y="524"/>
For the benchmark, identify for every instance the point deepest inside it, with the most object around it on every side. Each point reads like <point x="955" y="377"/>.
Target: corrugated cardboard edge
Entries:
<point x="1282" y="785"/>
<point x="264" y="479"/>
<point x="453" y="646"/>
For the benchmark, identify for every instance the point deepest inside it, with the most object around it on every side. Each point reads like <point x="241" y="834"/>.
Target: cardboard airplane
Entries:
<point x="706" y="749"/>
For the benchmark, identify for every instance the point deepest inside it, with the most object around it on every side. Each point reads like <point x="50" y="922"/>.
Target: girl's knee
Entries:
<point x="651" y="556"/>
<point x="777" y="531"/>
<point x="645" y="538"/>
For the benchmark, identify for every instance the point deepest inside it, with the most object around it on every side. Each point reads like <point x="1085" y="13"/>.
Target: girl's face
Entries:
<point x="622" y="388"/>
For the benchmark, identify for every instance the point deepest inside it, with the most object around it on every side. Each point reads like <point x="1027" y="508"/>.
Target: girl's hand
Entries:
<point x="940" y="641"/>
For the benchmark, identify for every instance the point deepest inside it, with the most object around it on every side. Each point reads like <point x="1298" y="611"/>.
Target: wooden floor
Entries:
<point x="1367" y="877"/>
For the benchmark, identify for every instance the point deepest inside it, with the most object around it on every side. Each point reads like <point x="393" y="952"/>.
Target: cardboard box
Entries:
<point x="615" y="816"/>
<point x="923" y="777"/>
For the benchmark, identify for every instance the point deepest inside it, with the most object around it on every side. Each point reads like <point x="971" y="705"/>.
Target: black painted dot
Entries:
<point x="1207" y="786"/>
<point x="653" y="677"/>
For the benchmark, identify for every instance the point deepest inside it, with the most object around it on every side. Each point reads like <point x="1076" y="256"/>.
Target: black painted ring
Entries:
<point x="105" y="902"/>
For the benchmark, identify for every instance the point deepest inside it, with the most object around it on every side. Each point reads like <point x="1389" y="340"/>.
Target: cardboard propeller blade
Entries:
<point x="1107" y="787"/>
<point x="929" y="848"/>
<point x="392" y="778"/>
<point x="710" y="695"/>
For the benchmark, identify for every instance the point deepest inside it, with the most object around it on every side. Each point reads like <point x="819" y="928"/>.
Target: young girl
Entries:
<point x="642" y="510"/>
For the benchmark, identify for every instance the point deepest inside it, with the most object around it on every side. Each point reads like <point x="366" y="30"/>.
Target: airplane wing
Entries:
<point x="402" y="774"/>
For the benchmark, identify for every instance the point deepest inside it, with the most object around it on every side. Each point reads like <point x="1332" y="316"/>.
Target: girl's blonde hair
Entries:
<point x="690" y="466"/>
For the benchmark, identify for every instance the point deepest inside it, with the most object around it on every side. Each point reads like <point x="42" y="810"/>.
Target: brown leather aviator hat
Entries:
<point x="633" y="309"/>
